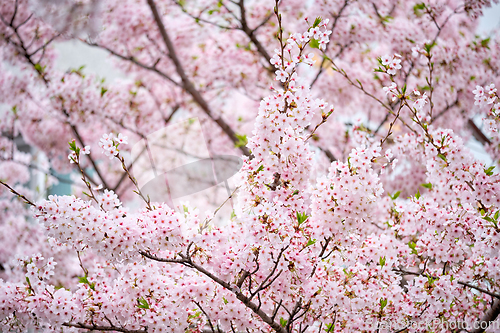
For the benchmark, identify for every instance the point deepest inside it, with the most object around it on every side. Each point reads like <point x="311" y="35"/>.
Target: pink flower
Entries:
<point x="281" y="75"/>
<point x="86" y="150"/>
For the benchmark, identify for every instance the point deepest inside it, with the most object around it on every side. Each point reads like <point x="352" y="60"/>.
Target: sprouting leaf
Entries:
<point x="489" y="171"/>
<point x="427" y="185"/>
<point x="314" y="43"/>
<point x="283" y="322"/>
<point x="242" y="141"/>
<point x="413" y="247"/>
<point x="417" y="196"/>
<point x="103" y="91"/>
<point x="441" y="156"/>
<point x="301" y="217"/>
<point x="381" y="261"/>
<point x="310" y="242"/>
<point x="317" y="21"/>
<point x="142" y="303"/>
<point x="383" y="303"/>
<point x="85" y="280"/>
<point x="485" y="42"/>
<point x="395" y="195"/>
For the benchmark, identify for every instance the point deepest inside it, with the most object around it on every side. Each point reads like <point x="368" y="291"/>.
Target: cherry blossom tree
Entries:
<point x="358" y="208"/>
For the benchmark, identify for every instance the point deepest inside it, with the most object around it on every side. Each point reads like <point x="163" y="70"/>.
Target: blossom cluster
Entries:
<point x="391" y="63"/>
<point x="287" y="61"/>
<point x="109" y="144"/>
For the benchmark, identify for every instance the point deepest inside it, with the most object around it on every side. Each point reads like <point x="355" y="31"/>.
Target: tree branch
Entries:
<point x="103" y="328"/>
<point x="186" y="83"/>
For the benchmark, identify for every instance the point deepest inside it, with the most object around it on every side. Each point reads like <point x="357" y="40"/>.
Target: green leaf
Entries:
<point x="242" y="141"/>
<point x="186" y="210"/>
<point x="413" y="247"/>
<point x="103" y="91"/>
<point x="383" y="303"/>
<point x="395" y="195"/>
<point x="317" y="21"/>
<point x="295" y="192"/>
<point x="224" y="300"/>
<point x="310" y="242"/>
<point x="142" y="303"/>
<point x="72" y="145"/>
<point x="381" y="261"/>
<point x="301" y="217"/>
<point x="38" y="68"/>
<point x="427" y="185"/>
<point x="489" y="171"/>
<point x="261" y="167"/>
<point x="84" y="279"/>
<point x="417" y="196"/>
<point x="497" y="215"/>
<point x="441" y="156"/>
<point x="428" y="47"/>
<point x="314" y="43"/>
<point x="283" y="322"/>
<point x="485" y="42"/>
<point x="417" y="8"/>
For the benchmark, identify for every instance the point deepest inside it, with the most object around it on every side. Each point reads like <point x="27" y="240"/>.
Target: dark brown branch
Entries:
<point x="134" y="61"/>
<point x="251" y="32"/>
<point x="94" y="165"/>
<point x="103" y="328"/>
<point x="492" y="294"/>
<point x="477" y="133"/>
<point x="186" y="83"/>
<point x="187" y="261"/>
<point x="26" y="200"/>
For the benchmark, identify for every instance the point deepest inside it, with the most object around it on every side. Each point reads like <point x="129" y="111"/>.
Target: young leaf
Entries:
<point x="381" y="261"/>
<point x="317" y="21"/>
<point x="242" y="141"/>
<point x="301" y="217"/>
<point x="489" y="171"/>
<point x="314" y="43"/>
<point x="395" y="195"/>
<point x="441" y="156"/>
<point x="142" y="303"/>
<point x="310" y="242"/>
<point x="383" y="303"/>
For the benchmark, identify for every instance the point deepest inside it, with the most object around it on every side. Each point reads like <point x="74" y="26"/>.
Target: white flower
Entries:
<point x="281" y="75"/>
<point x="72" y="157"/>
<point x="419" y="103"/>
<point x="86" y="150"/>
<point x="386" y="59"/>
<point x="122" y="139"/>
